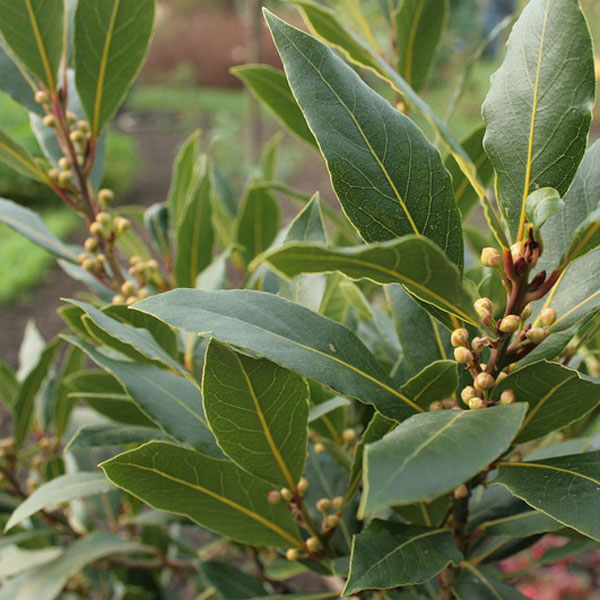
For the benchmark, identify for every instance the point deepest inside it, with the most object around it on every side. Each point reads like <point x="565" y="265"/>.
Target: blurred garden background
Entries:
<point x="185" y="85"/>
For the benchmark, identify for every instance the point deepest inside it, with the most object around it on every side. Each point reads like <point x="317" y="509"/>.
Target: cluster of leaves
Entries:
<point x="362" y="405"/>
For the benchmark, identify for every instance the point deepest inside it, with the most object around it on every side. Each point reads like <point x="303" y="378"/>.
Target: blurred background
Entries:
<point x="185" y="85"/>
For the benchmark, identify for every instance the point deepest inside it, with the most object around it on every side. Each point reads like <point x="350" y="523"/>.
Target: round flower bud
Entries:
<point x="54" y="174"/>
<point x="118" y="299"/>
<point x="459" y="337"/>
<point x="475" y="403"/>
<point x="41" y="97"/>
<point x="483" y="307"/>
<point x="91" y="244"/>
<point x="462" y="491"/>
<point x="135" y="259"/>
<point x="127" y="288"/>
<point x="548" y="316"/>
<point x="83" y="125"/>
<point x="103" y="218"/>
<point x="490" y="257"/>
<point x="536" y="335"/>
<point x="143" y="293"/>
<point x="484" y="381"/>
<point x="49" y="121"/>
<point x="507" y="397"/>
<point x="349" y="435"/>
<point x="516" y="251"/>
<point x="65" y="178"/>
<point x="331" y="521"/>
<point x="89" y="265"/>
<point x="292" y="554"/>
<point x="95" y="228"/>
<point x="462" y="355"/>
<point x="323" y="505"/>
<point x="105" y="196"/>
<point x="302" y="487"/>
<point x="313" y="544"/>
<point x="285" y="494"/>
<point x="77" y="136"/>
<point x="526" y="312"/>
<point x="64" y="163"/>
<point x="337" y="502"/>
<point x="274" y="497"/>
<point x="320" y="448"/>
<point x="448" y="403"/>
<point x="122" y="224"/>
<point x="477" y="343"/>
<point x="71" y="117"/>
<point x="510" y="323"/>
<point x="82" y="257"/>
<point x="436" y="405"/>
<point x="468" y="393"/>
<point x="131" y="300"/>
<point x="152" y="265"/>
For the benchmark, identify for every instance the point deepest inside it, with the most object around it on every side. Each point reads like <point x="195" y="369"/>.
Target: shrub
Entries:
<point x="341" y="393"/>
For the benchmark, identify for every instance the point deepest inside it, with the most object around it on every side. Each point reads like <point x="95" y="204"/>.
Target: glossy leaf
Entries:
<point x="538" y="110"/>
<point x="195" y="234"/>
<point x="585" y="239"/>
<point x="565" y="488"/>
<point x="47" y="582"/>
<point x="412" y="261"/>
<point x="450" y="446"/>
<point x="230" y="582"/>
<point x="288" y="334"/>
<point x="271" y="88"/>
<point x="111" y="40"/>
<point x="387" y="555"/>
<point x="34" y="31"/>
<point x="113" y="434"/>
<point x="477" y="583"/>
<point x="19" y="159"/>
<point x="56" y="491"/>
<point x="557" y="396"/>
<point x="435" y="382"/>
<point x="214" y="493"/>
<point x="420" y="25"/>
<point x="389" y="179"/>
<point x="29" y="224"/>
<point x="541" y="205"/>
<point x="522" y="524"/>
<point x="171" y="401"/>
<point x="17" y="83"/>
<point x="9" y="386"/>
<point x="183" y="177"/>
<point x="258" y="412"/>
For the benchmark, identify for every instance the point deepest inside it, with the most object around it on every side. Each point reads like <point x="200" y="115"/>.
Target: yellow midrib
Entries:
<point x="21" y="159"/>
<point x="481" y="577"/>
<point x="583" y="241"/>
<point x="536" y="89"/>
<point x="41" y="49"/>
<point x="411" y="43"/>
<point x="102" y="70"/>
<point x="253" y="515"/>
<point x="549" y="467"/>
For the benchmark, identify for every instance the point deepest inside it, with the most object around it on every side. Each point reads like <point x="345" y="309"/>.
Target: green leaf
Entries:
<point x="412" y="261"/>
<point x="435" y="382"/>
<point x="287" y="334"/>
<point x="195" y="235"/>
<point x="389" y="179"/>
<point x="106" y="396"/>
<point x="258" y="221"/>
<point x="47" y="582"/>
<point x="112" y="434"/>
<point x="308" y="225"/>
<point x="29" y="224"/>
<point x="541" y="205"/>
<point x="20" y="160"/>
<point x="580" y="200"/>
<point x="230" y="582"/>
<point x="422" y="338"/>
<point x="9" y="385"/>
<point x="33" y="29"/>
<point x="270" y="157"/>
<point x="420" y="25"/>
<point x="451" y="446"/>
<point x="258" y="412"/>
<point x="476" y="583"/>
<point x="585" y="239"/>
<point x="387" y="555"/>
<point x="522" y="524"/>
<point x="214" y="493"/>
<point x="271" y="88"/>
<point x="28" y="391"/>
<point x="557" y="396"/>
<point x="156" y="220"/>
<point x="170" y="400"/>
<point x="61" y="489"/>
<point x="111" y="40"/>
<point x="183" y="178"/>
<point x="464" y="193"/>
<point x="17" y="83"/>
<point x="538" y="110"/>
<point x="566" y="488"/>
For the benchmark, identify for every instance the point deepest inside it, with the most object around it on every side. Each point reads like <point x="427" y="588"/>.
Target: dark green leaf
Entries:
<point x="271" y="88"/>
<point x="230" y="582"/>
<point x="214" y="493"/>
<point x="61" y="489"/>
<point x="387" y="555"/>
<point x="113" y="434"/>
<point x="17" y="84"/>
<point x="436" y="382"/>
<point x="565" y="488"/>
<point x="475" y="583"/>
<point x="9" y="386"/>
<point x="557" y="396"/>
<point x="288" y="334"/>
<point x="451" y="446"/>
<point x="183" y="178"/>
<point x="585" y="239"/>
<point x="522" y="524"/>
<point x="412" y="261"/>
<point x="258" y="412"/>
<point x="21" y="160"/>
<point x="111" y="40"/>
<point x="538" y="110"/>
<point x="34" y="31"/>
<point x="390" y="181"/>
<point x="420" y="25"/>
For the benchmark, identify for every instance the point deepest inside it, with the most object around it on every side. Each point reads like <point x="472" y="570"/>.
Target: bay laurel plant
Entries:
<point x="386" y="396"/>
